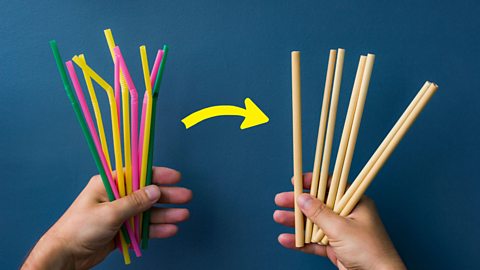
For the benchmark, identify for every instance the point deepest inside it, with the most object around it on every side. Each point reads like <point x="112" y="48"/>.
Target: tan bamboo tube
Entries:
<point x="321" y="137"/>
<point x="332" y="115"/>
<point x="297" y="147"/>
<point x="371" y="162"/>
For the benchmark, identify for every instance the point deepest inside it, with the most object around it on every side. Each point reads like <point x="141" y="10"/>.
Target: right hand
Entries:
<point x="358" y="241"/>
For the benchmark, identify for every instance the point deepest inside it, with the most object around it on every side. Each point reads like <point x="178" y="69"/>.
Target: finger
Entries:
<point x="169" y="215"/>
<point x="175" y="195"/>
<point x="287" y="240"/>
<point x="162" y="230"/>
<point x="307" y="180"/>
<point x="285" y="218"/>
<point x="134" y="204"/>
<point x="331" y="223"/>
<point x="165" y="176"/>
<point x="285" y="199"/>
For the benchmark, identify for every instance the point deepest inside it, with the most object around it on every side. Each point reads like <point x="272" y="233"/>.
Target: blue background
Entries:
<point x="222" y="52"/>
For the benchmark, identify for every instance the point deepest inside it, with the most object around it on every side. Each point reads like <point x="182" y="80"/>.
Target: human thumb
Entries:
<point x="136" y="203"/>
<point x="320" y="214"/>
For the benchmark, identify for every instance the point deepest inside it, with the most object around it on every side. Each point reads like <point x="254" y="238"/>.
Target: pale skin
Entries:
<point x="84" y="235"/>
<point x="358" y="241"/>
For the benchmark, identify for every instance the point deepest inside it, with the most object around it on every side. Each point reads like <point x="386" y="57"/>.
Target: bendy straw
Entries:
<point x="91" y="126"/>
<point x="131" y="170"/>
<point x="158" y="82"/>
<point x="80" y="119"/>
<point x="332" y="115"/>
<point x="297" y="147"/>
<point x="153" y="75"/>
<point x="134" y="115"/>
<point x="83" y="126"/>
<point x="98" y="115"/>
<point x="145" y="126"/>
<point x="116" y="137"/>
<point x="321" y="137"/>
<point x="147" y="121"/>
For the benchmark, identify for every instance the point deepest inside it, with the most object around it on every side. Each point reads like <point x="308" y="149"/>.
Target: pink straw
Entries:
<point x="117" y="100"/>
<point x="133" y="116"/>
<point x="93" y="132"/>
<point x="91" y="127"/>
<point x="153" y="77"/>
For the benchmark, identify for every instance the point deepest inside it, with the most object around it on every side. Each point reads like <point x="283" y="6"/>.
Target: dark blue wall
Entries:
<point x="222" y="52"/>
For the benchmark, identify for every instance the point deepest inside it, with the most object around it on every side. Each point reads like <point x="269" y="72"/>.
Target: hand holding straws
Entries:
<point x="136" y="173"/>
<point x="340" y="201"/>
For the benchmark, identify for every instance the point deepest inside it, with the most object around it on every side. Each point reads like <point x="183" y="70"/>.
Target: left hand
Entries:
<point x="85" y="234"/>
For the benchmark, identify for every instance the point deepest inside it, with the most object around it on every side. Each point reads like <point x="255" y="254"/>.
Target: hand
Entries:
<point x="85" y="234"/>
<point x="358" y="241"/>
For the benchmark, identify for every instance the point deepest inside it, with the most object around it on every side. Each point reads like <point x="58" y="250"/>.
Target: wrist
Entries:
<point x="50" y="252"/>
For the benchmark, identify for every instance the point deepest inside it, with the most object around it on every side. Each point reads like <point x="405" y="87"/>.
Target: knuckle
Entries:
<point x="317" y="212"/>
<point x="136" y="199"/>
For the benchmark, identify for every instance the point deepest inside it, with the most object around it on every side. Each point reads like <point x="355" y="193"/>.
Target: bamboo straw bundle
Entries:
<point x="337" y="199"/>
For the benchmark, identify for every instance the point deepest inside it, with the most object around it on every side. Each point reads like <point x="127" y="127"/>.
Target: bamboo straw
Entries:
<point x="322" y="184"/>
<point x="297" y="146"/>
<point x="371" y="162"/>
<point x="321" y="137"/>
<point x="389" y="150"/>
<point x="352" y="139"/>
<point x="341" y="183"/>
<point x="347" y="128"/>
<point x="358" y="193"/>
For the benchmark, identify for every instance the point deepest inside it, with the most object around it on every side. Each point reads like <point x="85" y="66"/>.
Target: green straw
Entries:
<point x="83" y="125"/>
<point x="148" y="181"/>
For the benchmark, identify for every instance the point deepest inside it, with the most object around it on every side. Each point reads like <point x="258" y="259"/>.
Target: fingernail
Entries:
<point x="153" y="193"/>
<point x="304" y="200"/>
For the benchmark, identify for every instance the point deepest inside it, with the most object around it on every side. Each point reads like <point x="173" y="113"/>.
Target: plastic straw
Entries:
<point x="133" y="116"/>
<point x="116" y="138"/>
<point x="153" y="75"/>
<point x="98" y="115"/>
<point x="158" y="82"/>
<point x="91" y="127"/>
<point x="83" y="126"/>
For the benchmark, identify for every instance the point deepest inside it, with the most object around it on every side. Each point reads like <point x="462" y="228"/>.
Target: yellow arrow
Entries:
<point x="252" y="114"/>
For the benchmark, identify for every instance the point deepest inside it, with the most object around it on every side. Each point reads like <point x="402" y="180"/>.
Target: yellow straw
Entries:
<point x="114" y="117"/>
<point x="126" y="116"/>
<point x="148" y="115"/>
<point x="98" y="115"/>
<point x="126" y="255"/>
<point x="101" y="131"/>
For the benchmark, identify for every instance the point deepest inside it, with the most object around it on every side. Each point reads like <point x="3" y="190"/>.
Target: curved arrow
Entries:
<point x="252" y="114"/>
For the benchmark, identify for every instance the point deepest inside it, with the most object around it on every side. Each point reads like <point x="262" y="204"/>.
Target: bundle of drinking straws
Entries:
<point x="134" y="168"/>
<point x="337" y="195"/>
